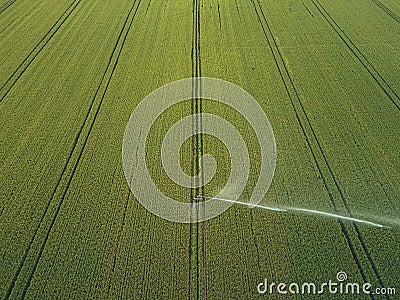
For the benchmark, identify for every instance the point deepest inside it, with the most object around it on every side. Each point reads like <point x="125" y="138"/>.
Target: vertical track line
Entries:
<point x="193" y="154"/>
<point x="203" y="193"/>
<point x="197" y="209"/>
<point x="201" y="151"/>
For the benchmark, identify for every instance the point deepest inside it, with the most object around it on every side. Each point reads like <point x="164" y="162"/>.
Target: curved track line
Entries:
<point x="377" y="77"/>
<point x="291" y="87"/>
<point x="113" y="61"/>
<point x="11" y="287"/>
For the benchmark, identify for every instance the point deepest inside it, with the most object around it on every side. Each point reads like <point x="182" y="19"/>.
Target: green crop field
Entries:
<point x="326" y="73"/>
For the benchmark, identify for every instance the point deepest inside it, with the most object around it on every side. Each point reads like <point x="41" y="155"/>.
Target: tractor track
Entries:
<point x="219" y="18"/>
<point x="193" y="155"/>
<point x="197" y="238"/>
<point x="386" y="88"/>
<point x="306" y="126"/>
<point x="147" y="8"/>
<point x="200" y="154"/>
<point x="23" y="66"/>
<point x="360" y="56"/>
<point x="387" y="10"/>
<point x="237" y="9"/>
<point x="118" y="243"/>
<point x="6" y="5"/>
<point x="100" y="92"/>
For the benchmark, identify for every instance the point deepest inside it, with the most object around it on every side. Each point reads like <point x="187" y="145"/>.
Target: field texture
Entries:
<point x="327" y="75"/>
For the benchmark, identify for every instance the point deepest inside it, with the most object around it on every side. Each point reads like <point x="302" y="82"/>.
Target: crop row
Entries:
<point x="326" y="77"/>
